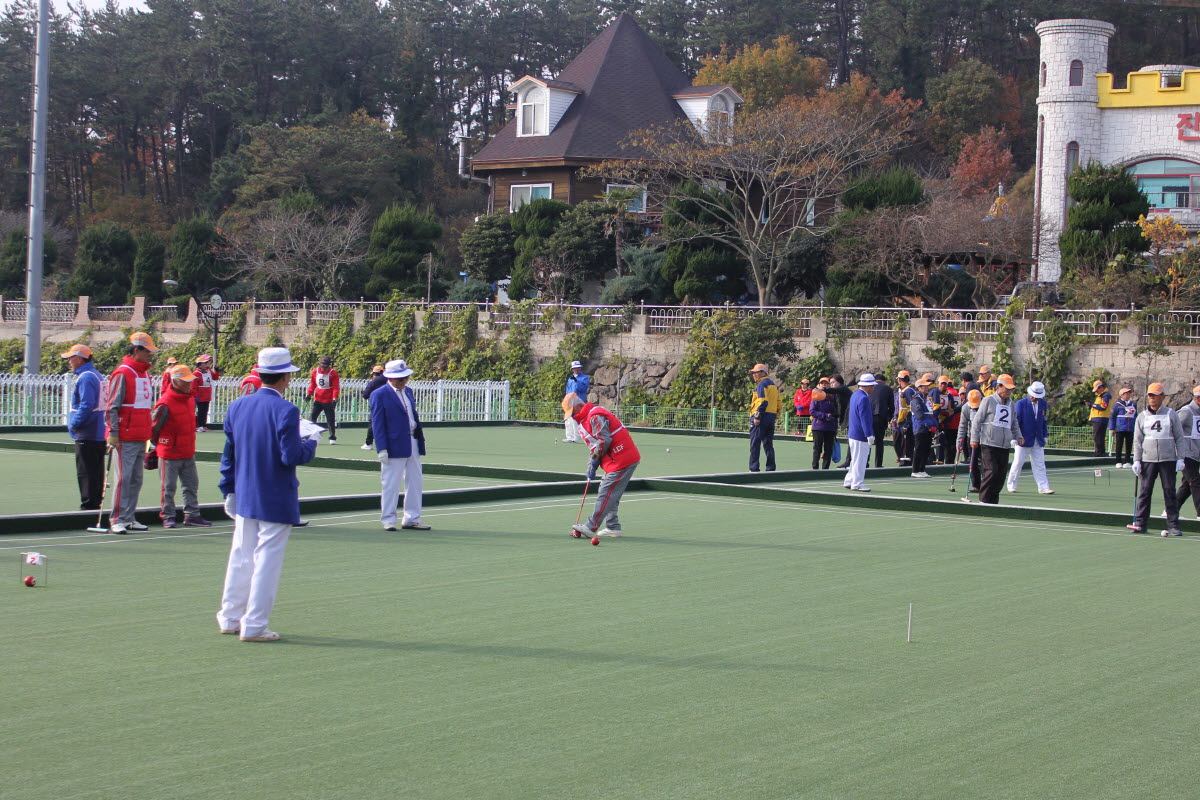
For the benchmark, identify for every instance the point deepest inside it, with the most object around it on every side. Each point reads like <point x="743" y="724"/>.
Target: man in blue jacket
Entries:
<point x="401" y="443"/>
<point x="86" y="424"/>
<point x="861" y="426"/>
<point x="1031" y="418"/>
<point x="263" y="447"/>
<point x="578" y="384"/>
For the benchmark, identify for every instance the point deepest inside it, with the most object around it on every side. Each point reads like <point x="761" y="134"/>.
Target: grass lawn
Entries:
<point x="722" y="649"/>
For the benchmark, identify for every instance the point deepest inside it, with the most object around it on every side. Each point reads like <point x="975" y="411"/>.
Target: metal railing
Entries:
<point x="678" y="319"/>
<point x="1102" y="327"/>
<point x="281" y="313"/>
<point x="1176" y="327"/>
<point x="978" y="325"/>
<point x="168" y="313"/>
<point x="35" y="399"/>
<point x="111" y="313"/>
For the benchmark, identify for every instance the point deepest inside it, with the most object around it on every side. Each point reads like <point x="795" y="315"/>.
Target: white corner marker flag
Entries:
<point x="35" y="559"/>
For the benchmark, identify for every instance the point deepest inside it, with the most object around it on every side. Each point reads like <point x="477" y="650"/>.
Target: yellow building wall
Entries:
<point x="1144" y="91"/>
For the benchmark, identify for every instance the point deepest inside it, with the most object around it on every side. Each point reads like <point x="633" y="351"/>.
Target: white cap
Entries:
<point x="576" y="365"/>
<point x="396" y="369"/>
<point x="275" y="361"/>
<point x="866" y="379"/>
<point x="1036" y="389"/>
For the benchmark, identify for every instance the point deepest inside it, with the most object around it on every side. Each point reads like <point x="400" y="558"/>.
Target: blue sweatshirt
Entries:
<point x="579" y="384"/>
<point x="1031" y="418"/>
<point x="86" y="423"/>
<point x="862" y="424"/>
<point x="1124" y="413"/>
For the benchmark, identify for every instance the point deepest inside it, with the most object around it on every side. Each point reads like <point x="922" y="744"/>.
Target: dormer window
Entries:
<point x="533" y="111"/>
<point x="720" y="111"/>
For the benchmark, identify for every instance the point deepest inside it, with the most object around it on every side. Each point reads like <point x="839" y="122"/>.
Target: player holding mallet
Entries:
<point x="613" y="449"/>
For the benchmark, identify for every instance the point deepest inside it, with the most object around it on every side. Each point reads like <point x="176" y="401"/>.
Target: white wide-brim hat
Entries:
<point x="1036" y="389"/>
<point x="275" y="361"/>
<point x="396" y="369"/>
<point x="866" y="379"/>
<point x="576" y="365"/>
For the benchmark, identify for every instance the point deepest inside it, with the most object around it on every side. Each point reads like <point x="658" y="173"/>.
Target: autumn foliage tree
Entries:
<point x="983" y="162"/>
<point x="765" y="75"/>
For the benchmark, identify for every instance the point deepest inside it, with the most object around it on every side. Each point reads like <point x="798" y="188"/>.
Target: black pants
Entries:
<point x="823" y="448"/>
<point x="922" y="441"/>
<point x="1123" y="444"/>
<point x="330" y="411"/>
<point x="1163" y="471"/>
<point x="202" y="413"/>
<point x="995" y="471"/>
<point x="370" y="434"/>
<point x="763" y="435"/>
<point x="902" y="441"/>
<point x="1189" y="486"/>
<point x="946" y="446"/>
<point x="881" y="426"/>
<point x="89" y="471"/>
<point x="1099" y="434"/>
<point x="972" y="458"/>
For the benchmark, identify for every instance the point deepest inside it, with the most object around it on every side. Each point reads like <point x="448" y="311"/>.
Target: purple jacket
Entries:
<point x="824" y="415"/>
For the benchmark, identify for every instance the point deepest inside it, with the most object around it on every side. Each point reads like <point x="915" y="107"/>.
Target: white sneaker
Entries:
<point x="136" y="526"/>
<point x="1047" y="490"/>
<point x="1010" y="489"/>
<point x="860" y="488"/>
<point x="118" y="528"/>
<point x="265" y="636"/>
<point x="364" y="447"/>
<point x="921" y="475"/>
<point x="609" y="532"/>
<point x="389" y="526"/>
<point x="333" y="441"/>
<point x="583" y="530"/>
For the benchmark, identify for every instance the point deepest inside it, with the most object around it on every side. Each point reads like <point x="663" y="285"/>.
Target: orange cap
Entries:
<point x="200" y="359"/>
<point x="142" y="339"/>
<point x="81" y="350"/>
<point x="182" y="372"/>
<point x="924" y="382"/>
<point x="1195" y="390"/>
<point x="903" y="374"/>
<point x="1155" y="388"/>
<point x="974" y="398"/>
<point x="759" y="368"/>
<point x="1006" y="380"/>
<point x="569" y="401"/>
<point x="172" y="360"/>
<point x="986" y="369"/>
<point x="1125" y="389"/>
<point x="943" y="379"/>
<point x="1096" y="385"/>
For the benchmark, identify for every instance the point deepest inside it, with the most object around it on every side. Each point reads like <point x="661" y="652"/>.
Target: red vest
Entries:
<point x="134" y="414"/>
<point x="250" y="384"/>
<point x="177" y="438"/>
<point x="202" y="387"/>
<point x="623" y="452"/>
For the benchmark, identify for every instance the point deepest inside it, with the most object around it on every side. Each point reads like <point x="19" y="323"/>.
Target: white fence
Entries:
<point x="46" y="399"/>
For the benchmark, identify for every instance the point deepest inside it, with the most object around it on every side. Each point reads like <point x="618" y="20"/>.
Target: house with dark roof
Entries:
<point x="620" y="83"/>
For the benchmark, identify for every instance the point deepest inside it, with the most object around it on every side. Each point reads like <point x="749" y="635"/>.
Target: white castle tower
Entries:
<point x="1069" y="132"/>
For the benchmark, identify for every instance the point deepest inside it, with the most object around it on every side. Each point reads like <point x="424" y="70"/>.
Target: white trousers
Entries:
<point x="860" y="453"/>
<point x="398" y="471"/>
<point x="1037" y="459"/>
<point x="252" y="577"/>
<point x="572" y="430"/>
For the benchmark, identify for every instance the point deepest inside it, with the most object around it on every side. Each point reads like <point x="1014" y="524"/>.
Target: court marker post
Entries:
<point x="910" y="605"/>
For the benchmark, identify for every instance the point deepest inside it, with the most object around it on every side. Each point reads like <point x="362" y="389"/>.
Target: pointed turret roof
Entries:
<point x="625" y="83"/>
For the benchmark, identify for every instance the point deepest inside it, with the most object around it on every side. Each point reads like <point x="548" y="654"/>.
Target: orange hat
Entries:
<point x="141" y="339"/>
<point x="826" y="380"/>
<point x="569" y="401"/>
<point x="1155" y="388"/>
<point x="1125" y="389"/>
<point x="1097" y="385"/>
<point x="1195" y="390"/>
<point x="904" y="374"/>
<point x="81" y="350"/>
<point x="818" y="394"/>
<point x="1006" y="380"/>
<point x="172" y="360"/>
<point x="759" y="368"/>
<point x="924" y="382"/>
<point x="200" y="359"/>
<point x="974" y="398"/>
<point x="943" y="379"/>
<point x="986" y="369"/>
<point x="927" y="376"/>
<point x="181" y="372"/>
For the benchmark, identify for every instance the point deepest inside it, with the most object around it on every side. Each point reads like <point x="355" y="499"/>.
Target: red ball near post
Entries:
<point x="30" y="581"/>
<point x="576" y="534"/>
<point x="595" y="540"/>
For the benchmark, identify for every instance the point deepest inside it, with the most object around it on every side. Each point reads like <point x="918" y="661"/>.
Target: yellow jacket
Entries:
<point x="765" y="398"/>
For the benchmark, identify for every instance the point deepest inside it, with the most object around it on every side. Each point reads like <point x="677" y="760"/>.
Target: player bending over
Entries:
<point x="612" y="449"/>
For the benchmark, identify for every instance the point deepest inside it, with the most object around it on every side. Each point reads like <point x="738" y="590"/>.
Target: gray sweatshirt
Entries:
<point x="964" y="426"/>
<point x="995" y="423"/>
<point x="1189" y="420"/>
<point x="1157" y="436"/>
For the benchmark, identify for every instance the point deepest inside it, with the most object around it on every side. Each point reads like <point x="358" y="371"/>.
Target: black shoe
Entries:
<point x="301" y="524"/>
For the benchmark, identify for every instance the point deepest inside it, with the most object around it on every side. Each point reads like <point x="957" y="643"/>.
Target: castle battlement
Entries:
<point x="1146" y="90"/>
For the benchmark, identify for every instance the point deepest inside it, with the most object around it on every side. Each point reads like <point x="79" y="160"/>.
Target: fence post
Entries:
<point x="440" y="400"/>
<point x="487" y="402"/>
<point x="712" y="419"/>
<point x="68" y="390"/>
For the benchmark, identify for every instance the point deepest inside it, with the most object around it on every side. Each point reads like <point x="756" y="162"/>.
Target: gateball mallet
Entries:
<point x="954" y="473"/>
<point x="966" y="498"/>
<point x="579" y="516"/>
<point x="98" y="528"/>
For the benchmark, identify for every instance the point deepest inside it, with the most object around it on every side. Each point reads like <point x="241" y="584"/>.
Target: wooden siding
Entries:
<point x="559" y="178"/>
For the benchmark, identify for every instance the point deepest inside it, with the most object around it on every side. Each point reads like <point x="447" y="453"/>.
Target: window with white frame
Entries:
<point x="521" y="194"/>
<point x="637" y="204"/>
<point x="720" y="111"/>
<point x="533" y="111"/>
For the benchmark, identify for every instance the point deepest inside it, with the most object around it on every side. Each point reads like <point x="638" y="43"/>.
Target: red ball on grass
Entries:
<point x="595" y="540"/>
<point x="30" y="581"/>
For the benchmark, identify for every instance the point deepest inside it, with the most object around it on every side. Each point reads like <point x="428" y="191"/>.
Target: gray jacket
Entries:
<point x="964" y="426"/>
<point x="1189" y="420"/>
<point x="1157" y="436"/>
<point x="983" y="424"/>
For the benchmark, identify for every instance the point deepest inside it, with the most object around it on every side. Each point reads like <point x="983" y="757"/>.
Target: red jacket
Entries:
<point x="133" y="407"/>
<point x="324" y="387"/>
<point x="802" y="401"/>
<point x="250" y="384"/>
<point x="176" y="438"/>
<point x="622" y="453"/>
<point x="202" y="387"/>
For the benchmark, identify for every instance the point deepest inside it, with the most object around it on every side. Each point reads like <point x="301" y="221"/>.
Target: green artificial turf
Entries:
<point x="722" y="649"/>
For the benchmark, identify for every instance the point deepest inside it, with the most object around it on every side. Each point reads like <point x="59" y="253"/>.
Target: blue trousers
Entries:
<point x="762" y="436"/>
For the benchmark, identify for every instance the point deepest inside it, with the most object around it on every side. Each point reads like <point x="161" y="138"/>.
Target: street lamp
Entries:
<point x="211" y="319"/>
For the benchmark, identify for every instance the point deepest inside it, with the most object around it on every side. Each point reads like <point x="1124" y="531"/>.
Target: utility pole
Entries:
<point x="37" y="194"/>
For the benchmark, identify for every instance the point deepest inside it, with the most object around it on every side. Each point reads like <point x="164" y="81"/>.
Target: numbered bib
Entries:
<point x="143" y="395"/>
<point x="1157" y="427"/>
<point x="1129" y="411"/>
<point x="1193" y="430"/>
<point x="323" y="380"/>
<point x="1003" y="417"/>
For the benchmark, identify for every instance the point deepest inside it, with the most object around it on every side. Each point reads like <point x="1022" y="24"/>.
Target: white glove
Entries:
<point x="1014" y="443"/>
<point x="1137" y="468"/>
<point x="230" y="506"/>
<point x="384" y="457"/>
<point x="870" y="441"/>
<point x="1179" y="465"/>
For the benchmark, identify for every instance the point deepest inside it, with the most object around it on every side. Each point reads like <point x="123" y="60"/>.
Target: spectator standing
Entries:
<point x="839" y="392"/>
<point x="206" y="374"/>
<point x="86" y="426"/>
<point x="1120" y="422"/>
<point x="905" y="394"/>
<point x="764" y="410"/>
<point x="175" y="446"/>
<point x="860" y="433"/>
<point x="166" y="376"/>
<point x="924" y="425"/>
<point x="1031" y="417"/>
<point x="1099" y="411"/>
<point x="250" y="384"/>
<point x="969" y="408"/>
<point x="987" y="384"/>
<point x="824" y="427"/>
<point x="1158" y="454"/>
<point x="374" y="382"/>
<point x="883" y="402"/>
<point x="949" y="414"/>
<point x="324" y="387"/>
<point x="400" y="442"/>
<point x="1189" y="421"/>
<point x="994" y="427"/>
<point x="130" y="398"/>
<point x="263" y="447"/>
<point x="578" y="384"/>
<point x="802" y="402"/>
